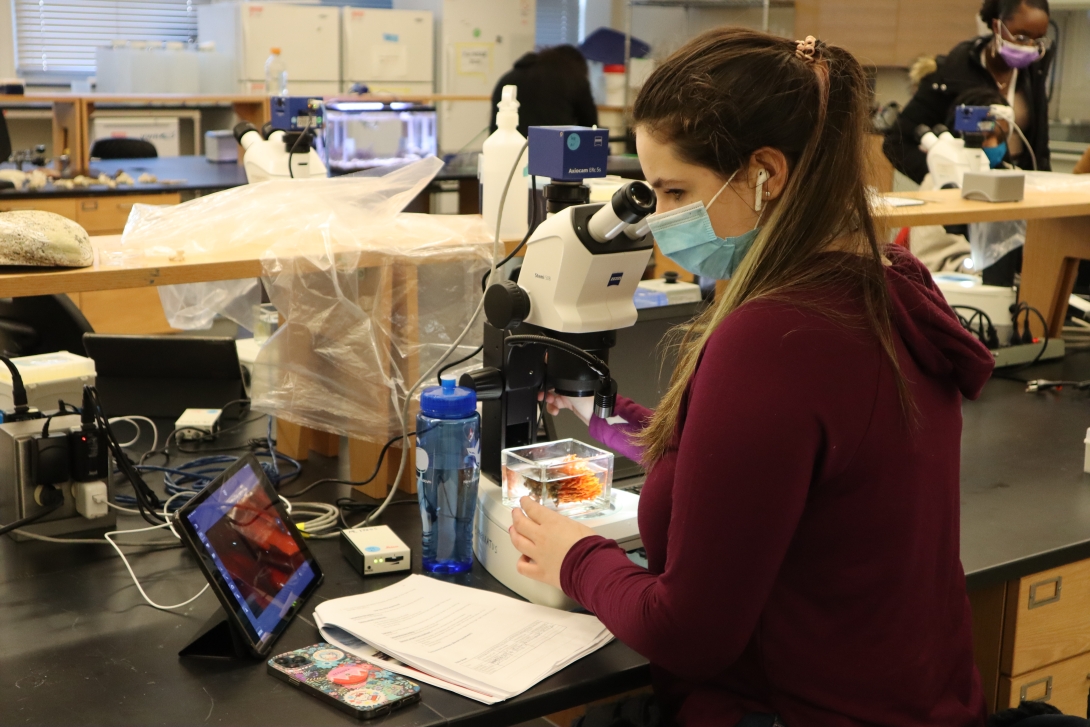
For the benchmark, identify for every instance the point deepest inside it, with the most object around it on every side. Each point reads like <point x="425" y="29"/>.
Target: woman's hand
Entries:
<point x="581" y="406"/>
<point x="544" y="537"/>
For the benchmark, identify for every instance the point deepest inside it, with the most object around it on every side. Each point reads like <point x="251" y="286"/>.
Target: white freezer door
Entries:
<point x="481" y="40"/>
<point x="387" y="45"/>
<point x="308" y="36"/>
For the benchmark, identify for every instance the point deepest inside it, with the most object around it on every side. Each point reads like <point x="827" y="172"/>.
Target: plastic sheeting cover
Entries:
<point x="370" y="297"/>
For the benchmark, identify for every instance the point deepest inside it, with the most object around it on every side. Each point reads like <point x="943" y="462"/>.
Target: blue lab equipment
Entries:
<point x="568" y="153"/>
<point x="448" y="467"/>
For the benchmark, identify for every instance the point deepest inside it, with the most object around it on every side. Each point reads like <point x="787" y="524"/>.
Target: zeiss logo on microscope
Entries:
<point x="615" y="279"/>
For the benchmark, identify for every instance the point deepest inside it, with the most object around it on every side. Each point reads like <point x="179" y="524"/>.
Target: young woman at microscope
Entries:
<point x="801" y="509"/>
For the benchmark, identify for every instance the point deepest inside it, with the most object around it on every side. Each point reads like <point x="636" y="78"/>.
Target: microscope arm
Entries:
<point x="605" y="393"/>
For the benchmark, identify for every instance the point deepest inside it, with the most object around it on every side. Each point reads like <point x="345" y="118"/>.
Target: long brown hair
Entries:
<point x="720" y="98"/>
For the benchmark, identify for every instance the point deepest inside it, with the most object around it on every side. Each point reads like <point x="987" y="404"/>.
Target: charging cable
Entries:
<point x="133" y="419"/>
<point x="167" y="524"/>
<point x="21" y="407"/>
<point x="403" y="411"/>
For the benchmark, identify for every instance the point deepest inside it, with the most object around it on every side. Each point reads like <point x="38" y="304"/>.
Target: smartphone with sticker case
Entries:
<point x="350" y="684"/>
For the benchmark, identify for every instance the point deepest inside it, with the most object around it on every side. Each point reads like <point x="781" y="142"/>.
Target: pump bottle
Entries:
<point x="500" y="151"/>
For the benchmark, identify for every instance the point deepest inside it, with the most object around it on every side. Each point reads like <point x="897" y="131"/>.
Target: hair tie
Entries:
<point x="805" y="49"/>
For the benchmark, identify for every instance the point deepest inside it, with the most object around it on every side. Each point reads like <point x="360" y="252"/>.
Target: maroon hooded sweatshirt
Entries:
<point x="802" y="532"/>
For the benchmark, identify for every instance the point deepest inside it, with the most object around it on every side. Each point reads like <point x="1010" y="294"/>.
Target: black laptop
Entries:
<point x="162" y="376"/>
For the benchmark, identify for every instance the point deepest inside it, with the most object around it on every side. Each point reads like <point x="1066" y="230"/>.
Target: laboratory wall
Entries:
<point x="668" y="28"/>
<point x="7" y="42"/>
<point x="1071" y="92"/>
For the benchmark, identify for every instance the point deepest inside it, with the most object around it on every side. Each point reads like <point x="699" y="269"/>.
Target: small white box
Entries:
<point x="220" y="146"/>
<point x="676" y="292"/>
<point x="49" y="377"/>
<point x="91" y="498"/>
<point x="994" y="185"/>
<point x="198" y="423"/>
<point x="375" y="550"/>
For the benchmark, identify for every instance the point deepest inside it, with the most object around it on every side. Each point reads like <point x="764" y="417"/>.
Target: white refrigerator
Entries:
<point x="478" y="41"/>
<point x="392" y="51"/>
<point x="309" y="38"/>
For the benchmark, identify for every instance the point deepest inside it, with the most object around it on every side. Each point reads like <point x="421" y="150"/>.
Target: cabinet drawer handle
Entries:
<point x="89" y="205"/>
<point x="124" y="206"/>
<point x="1034" y="602"/>
<point x="1047" y="681"/>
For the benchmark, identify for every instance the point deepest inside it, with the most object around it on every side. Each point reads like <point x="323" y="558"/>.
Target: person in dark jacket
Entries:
<point x="1013" y="60"/>
<point x="553" y="89"/>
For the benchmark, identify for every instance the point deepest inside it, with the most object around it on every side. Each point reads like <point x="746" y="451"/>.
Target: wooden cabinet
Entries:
<point x="62" y="207"/>
<point x="1051" y="618"/>
<point x="888" y="32"/>
<point x="1064" y="685"/>
<point x="1031" y="639"/>
<point x="107" y="215"/>
<point x="867" y="28"/>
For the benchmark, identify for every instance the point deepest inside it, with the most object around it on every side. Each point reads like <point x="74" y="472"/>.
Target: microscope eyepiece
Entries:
<point x="630" y="204"/>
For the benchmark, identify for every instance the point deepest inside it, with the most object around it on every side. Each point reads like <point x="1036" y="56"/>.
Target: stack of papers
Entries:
<point x="479" y="644"/>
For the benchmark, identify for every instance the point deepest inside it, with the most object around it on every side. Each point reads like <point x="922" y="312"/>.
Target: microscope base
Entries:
<point x="493" y="548"/>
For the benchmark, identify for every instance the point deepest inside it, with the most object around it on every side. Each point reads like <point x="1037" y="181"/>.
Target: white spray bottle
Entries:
<point x="499" y="153"/>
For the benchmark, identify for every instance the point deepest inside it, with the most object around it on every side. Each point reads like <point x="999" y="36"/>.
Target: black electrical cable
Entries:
<point x="348" y="506"/>
<point x="452" y="364"/>
<point x="291" y="152"/>
<point x="165" y="449"/>
<point x="525" y="238"/>
<point x="61" y="411"/>
<point x="18" y="391"/>
<point x="335" y="481"/>
<point x="987" y="336"/>
<point x="28" y="519"/>
<point x="1027" y="309"/>
<point x="147" y="502"/>
<point x="595" y="364"/>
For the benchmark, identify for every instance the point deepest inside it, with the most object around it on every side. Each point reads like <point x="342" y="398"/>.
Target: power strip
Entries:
<point x="28" y="470"/>
<point x="1025" y="353"/>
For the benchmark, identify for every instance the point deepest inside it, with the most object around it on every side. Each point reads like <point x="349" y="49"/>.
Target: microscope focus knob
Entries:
<point x="506" y="305"/>
<point x="487" y="382"/>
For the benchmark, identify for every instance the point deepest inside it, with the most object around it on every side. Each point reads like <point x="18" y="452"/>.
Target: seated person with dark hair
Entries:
<point x="553" y="89"/>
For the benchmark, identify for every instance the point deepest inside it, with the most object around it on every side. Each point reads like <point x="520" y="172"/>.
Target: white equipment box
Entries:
<point x="392" y="51"/>
<point x="308" y="36"/>
<point x="480" y="40"/>
<point x="220" y="146"/>
<point x="493" y="548"/>
<point x="375" y="550"/>
<point x="967" y="290"/>
<point x="673" y="293"/>
<point x="49" y="377"/>
<point x="198" y="423"/>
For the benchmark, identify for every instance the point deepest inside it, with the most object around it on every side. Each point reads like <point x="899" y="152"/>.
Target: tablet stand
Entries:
<point x="217" y="639"/>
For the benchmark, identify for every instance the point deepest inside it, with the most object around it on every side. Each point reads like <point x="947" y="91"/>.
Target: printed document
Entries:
<point x="480" y="641"/>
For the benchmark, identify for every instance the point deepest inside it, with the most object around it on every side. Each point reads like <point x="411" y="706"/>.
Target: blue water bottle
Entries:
<point x="448" y="466"/>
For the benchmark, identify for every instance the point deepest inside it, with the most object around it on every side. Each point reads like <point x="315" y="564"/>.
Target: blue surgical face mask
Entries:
<point x="686" y="236"/>
<point x="996" y="154"/>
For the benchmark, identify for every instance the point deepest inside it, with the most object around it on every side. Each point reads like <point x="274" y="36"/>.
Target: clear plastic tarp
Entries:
<point x="370" y="297"/>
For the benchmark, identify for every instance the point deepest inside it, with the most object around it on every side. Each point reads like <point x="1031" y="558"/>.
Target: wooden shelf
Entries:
<point x="946" y="207"/>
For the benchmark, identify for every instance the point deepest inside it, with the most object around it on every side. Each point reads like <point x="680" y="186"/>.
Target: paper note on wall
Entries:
<point x="474" y="59"/>
<point x="390" y="60"/>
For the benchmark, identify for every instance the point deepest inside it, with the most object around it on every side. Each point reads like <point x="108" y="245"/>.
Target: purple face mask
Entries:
<point x="1018" y="56"/>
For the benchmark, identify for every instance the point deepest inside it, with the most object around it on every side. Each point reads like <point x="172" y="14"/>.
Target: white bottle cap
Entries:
<point x="507" y="110"/>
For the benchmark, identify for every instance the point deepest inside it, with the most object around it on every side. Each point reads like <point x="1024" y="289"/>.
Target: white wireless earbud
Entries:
<point x="762" y="177"/>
